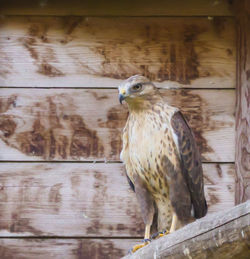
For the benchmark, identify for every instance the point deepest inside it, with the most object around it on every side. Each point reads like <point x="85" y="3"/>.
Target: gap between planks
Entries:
<point x="110" y="88"/>
<point x="91" y="162"/>
<point x="72" y="237"/>
<point x="117" y="16"/>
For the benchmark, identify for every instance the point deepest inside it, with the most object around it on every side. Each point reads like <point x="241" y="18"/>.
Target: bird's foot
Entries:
<point x="160" y="234"/>
<point x="137" y="247"/>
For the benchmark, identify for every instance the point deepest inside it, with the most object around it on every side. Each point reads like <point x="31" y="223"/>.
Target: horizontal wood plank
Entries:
<point x="100" y="52"/>
<point x="64" y="248"/>
<point x="119" y="8"/>
<point x="85" y="125"/>
<point x="85" y="199"/>
<point x="224" y="235"/>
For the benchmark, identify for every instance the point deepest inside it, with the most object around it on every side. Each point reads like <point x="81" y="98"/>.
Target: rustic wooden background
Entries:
<point x="63" y="193"/>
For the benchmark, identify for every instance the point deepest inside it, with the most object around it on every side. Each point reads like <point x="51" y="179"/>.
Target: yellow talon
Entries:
<point x="165" y="233"/>
<point x="160" y="234"/>
<point x="137" y="247"/>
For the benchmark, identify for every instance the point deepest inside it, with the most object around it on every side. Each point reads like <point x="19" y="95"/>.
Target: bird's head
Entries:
<point x="136" y="89"/>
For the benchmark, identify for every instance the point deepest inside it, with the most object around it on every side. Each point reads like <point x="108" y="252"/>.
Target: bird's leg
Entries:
<point x="146" y="203"/>
<point x="174" y="223"/>
<point x="174" y="226"/>
<point x="147" y="232"/>
<point x="164" y="218"/>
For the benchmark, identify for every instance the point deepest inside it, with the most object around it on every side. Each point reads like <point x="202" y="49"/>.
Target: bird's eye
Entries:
<point x="137" y="87"/>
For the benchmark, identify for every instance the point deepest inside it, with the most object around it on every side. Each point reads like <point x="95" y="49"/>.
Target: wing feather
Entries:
<point x="190" y="163"/>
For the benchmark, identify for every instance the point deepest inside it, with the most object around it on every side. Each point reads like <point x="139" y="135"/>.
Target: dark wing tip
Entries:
<point x="202" y="211"/>
<point x="130" y="183"/>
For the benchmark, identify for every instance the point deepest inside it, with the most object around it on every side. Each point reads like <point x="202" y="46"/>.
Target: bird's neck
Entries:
<point x="144" y="103"/>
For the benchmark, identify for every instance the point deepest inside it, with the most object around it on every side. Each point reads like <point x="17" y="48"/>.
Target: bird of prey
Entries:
<point x="162" y="161"/>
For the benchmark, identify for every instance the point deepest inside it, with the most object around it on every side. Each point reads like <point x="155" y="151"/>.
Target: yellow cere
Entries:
<point x="123" y="91"/>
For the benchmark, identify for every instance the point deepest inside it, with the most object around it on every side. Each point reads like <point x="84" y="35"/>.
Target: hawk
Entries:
<point x="162" y="161"/>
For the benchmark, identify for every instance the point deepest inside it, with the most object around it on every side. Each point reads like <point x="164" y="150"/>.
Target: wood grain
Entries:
<point x="224" y="235"/>
<point x="242" y="159"/>
<point x="64" y="248"/>
<point x="85" y="199"/>
<point x="119" y="8"/>
<point x="58" y="124"/>
<point x="100" y="52"/>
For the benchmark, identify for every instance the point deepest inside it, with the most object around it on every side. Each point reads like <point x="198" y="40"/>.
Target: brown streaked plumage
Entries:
<point x="162" y="160"/>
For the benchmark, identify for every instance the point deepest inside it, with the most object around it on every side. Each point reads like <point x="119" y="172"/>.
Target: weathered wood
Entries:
<point x="119" y="8"/>
<point x="223" y="235"/>
<point x="64" y="248"/>
<point x="85" y="199"/>
<point x="100" y="52"/>
<point x="242" y="159"/>
<point x="55" y="124"/>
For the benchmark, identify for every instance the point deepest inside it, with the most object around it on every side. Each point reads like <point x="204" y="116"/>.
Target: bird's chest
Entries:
<point x="150" y="140"/>
<point x="144" y="137"/>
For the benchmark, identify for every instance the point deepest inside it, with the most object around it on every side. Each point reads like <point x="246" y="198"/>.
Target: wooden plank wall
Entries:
<point x="63" y="192"/>
<point x="242" y="157"/>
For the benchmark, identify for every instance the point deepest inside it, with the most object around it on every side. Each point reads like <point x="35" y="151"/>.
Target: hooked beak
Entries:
<point x="122" y="95"/>
<point x="121" y="98"/>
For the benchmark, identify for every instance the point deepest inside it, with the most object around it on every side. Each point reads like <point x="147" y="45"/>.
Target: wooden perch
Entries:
<point x="221" y="235"/>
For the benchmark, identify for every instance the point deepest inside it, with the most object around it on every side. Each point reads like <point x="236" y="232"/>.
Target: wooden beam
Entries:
<point x="86" y="124"/>
<point x="222" y="235"/>
<point x="117" y="8"/>
<point x="85" y="199"/>
<point x="184" y="52"/>
<point x="242" y="158"/>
